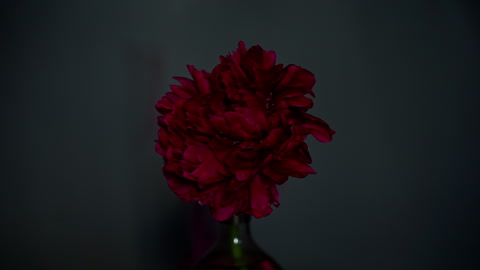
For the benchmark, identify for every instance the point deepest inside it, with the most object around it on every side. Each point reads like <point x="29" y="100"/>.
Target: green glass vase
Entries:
<point x="235" y="249"/>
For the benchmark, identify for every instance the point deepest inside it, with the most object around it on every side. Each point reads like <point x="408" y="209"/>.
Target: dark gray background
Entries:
<point x="81" y="186"/>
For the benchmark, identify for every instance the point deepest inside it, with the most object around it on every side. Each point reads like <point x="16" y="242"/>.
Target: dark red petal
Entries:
<point x="300" y="102"/>
<point x="180" y="91"/>
<point x="201" y="165"/>
<point x="183" y="188"/>
<point x="162" y="144"/>
<point x="222" y="213"/>
<point x="243" y="175"/>
<point x="202" y="83"/>
<point x="293" y="168"/>
<point x="256" y="115"/>
<point x="176" y="141"/>
<point x="187" y="83"/>
<point x="269" y="59"/>
<point x="159" y="149"/>
<point x="287" y="93"/>
<point x="274" y="175"/>
<point x="239" y="129"/>
<point x="263" y="194"/>
<point x="318" y="128"/>
<point x="161" y="121"/>
<point x="190" y="154"/>
<point x="219" y="124"/>
<point x="241" y="48"/>
<point x="274" y="138"/>
<point x="302" y="154"/>
<point x="297" y="78"/>
<point x="190" y="106"/>
<point x="165" y="104"/>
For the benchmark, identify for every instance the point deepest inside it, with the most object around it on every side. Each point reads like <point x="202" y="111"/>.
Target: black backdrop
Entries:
<point x="81" y="186"/>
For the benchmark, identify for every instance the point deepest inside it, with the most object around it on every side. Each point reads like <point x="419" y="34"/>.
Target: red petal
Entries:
<point x="298" y="78"/>
<point x="180" y="91"/>
<point x="219" y="124"/>
<point x="187" y="83"/>
<point x="243" y="175"/>
<point x="162" y="144"/>
<point x="185" y="189"/>
<point x="241" y="48"/>
<point x="274" y="138"/>
<point x="269" y="59"/>
<point x="319" y="129"/>
<point x="165" y="104"/>
<point x="208" y="170"/>
<point x="300" y="102"/>
<point x="222" y="213"/>
<point x="274" y="175"/>
<point x="263" y="194"/>
<point x="159" y="149"/>
<point x="293" y="168"/>
<point x="203" y="85"/>
<point x="256" y="116"/>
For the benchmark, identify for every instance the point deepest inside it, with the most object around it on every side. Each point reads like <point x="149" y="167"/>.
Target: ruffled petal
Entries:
<point x="201" y="82"/>
<point x="319" y="129"/>
<point x="263" y="194"/>
<point x="298" y="78"/>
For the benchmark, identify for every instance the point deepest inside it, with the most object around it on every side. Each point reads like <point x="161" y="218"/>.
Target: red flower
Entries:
<point x="230" y="136"/>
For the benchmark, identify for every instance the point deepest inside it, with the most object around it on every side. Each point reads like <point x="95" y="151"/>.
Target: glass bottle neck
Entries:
<point x="236" y="249"/>
<point x="235" y="231"/>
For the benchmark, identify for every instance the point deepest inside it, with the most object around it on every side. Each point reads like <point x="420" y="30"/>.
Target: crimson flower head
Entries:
<point x="229" y="137"/>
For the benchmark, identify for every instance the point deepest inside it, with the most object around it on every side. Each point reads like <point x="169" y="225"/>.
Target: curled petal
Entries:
<point x="186" y="83"/>
<point x="181" y="91"/>
<point x="296" y="77"/>
<point x="293" y="168"/>
<point x="183" y="188"/>
<point x="199" y="164"/>
<point x="274" y="175"/>
<point x="274" y="138"/>
<point x="319" y="129"/>
<point x="263" y="194"/>
<point x="165" y="104"/>
<point x="201" y="82"/>
<point x="300" y="102"/>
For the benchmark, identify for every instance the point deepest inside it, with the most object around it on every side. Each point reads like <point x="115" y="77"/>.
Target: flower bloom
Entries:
<point x="229" y="137"/>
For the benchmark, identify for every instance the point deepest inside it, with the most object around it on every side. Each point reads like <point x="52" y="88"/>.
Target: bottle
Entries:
<point x="235" y="249"/>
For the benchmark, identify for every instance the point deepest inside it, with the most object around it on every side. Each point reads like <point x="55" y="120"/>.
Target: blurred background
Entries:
<point x="398" y="188"/>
